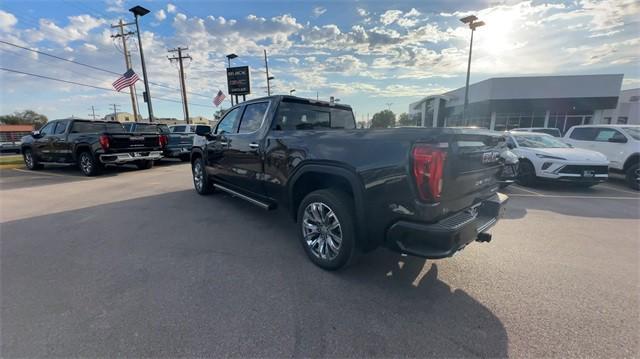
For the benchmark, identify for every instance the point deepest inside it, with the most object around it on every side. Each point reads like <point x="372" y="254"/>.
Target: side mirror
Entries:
<point x="618" y="139"/>
<point x="203" y="131"/>
<point x="36" y="134"/>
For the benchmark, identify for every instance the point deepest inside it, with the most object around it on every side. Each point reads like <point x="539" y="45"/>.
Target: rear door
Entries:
<point x="244" y="151"/>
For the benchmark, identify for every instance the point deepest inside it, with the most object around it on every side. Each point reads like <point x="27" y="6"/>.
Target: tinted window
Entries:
<point x="113" y="127"/>
<point x="163" y="129"/>
<point x="538" y="141"/>
<point x="128" y="126"/>
<point x="178" y="128"/>
<point x="203" y="126"/>
<point x="633" y="132"/>
<point x="229" y="124"/>
<point x="96" y="127"/>
<point x="146" y="128"/>
<point x="604" y="134"/>
<point x="584" y="134"/>
<point x="47" y="129"/>
<point x="299" y="116"/>
<point x="252" y="117"/>
<point x="61" y="127"/>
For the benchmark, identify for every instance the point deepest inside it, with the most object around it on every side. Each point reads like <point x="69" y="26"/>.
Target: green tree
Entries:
<point x="405" y="120"/>
<point x="27" y="117"/>
<point x="383" y="119"/>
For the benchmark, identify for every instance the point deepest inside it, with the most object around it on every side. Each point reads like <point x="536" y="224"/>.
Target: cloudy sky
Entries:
<point x="370" y="54"/>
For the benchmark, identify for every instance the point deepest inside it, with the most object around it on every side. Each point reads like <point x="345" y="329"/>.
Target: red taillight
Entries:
<point x="104" y="142"/>
<point x="428" y="168"/>
<point x="163" y="140"/>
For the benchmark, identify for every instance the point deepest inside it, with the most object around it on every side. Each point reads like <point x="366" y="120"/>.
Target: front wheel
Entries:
<point x="633" y="176"/>
<point x="327" y="228"/>
<point x="30" y="160"/>
<point x="201" y="181"/>
<point x="526" y="174"/>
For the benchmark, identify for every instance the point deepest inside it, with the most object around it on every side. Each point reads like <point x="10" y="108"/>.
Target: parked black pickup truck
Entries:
<point x="90" y="144"/>
<point x="427" y="192"/>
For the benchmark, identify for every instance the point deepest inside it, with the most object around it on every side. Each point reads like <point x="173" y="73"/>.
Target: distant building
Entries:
<point x="122" y="117"/>
<point x="10" y="136"/>
<point x="506" y="103"/>
<point x="199" y="120"/>
<point x="627" y="111"/>
<point x="169" y="121"/>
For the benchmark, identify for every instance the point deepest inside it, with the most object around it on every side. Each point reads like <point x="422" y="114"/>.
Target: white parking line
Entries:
<point x="526" y="190"/>
<point x="617" y="189"/>
<point x="562" y="196"/>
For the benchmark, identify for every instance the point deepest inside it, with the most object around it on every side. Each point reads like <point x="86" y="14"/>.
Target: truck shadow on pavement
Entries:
<point x="180" y="274"/>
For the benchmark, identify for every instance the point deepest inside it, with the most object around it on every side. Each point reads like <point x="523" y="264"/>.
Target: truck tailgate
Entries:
<point x="472" y="169"/>
<point x="123" y="142"/>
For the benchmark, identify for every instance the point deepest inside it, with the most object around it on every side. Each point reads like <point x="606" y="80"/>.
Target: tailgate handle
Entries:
<point x="254" y="146"/>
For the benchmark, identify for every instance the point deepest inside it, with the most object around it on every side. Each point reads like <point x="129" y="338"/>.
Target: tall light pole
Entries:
<point x="292" y="91"/>
<point x="229" y="58"/>
<point x="269" y="78"/>
<point x="473" y="24"/>
<point x="139" y="11"/>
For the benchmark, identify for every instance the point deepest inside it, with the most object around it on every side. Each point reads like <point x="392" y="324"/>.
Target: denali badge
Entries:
<point x="489" y="157"/>
<point x="139" y="138"/>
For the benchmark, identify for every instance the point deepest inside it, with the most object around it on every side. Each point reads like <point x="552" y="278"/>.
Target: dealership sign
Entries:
<point x="238" y="80"/>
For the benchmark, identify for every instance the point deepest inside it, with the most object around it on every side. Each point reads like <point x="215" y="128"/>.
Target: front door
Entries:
<point x="216" y="148"/>
<point x="60" y="148"/>
<point x="615" y="151"/>
<point x="243" y="156"/>
<point x="42" y="144"/>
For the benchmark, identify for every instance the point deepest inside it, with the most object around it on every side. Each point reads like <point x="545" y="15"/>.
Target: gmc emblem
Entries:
<point x="489" y="157"/>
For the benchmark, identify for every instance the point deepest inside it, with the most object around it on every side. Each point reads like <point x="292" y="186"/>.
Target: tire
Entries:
<point x="526" y="174"/>
<point x="328" y="248"/>
<point x="144" y="165"/>
<point x="88" y="164"/>
<point x="201" y="181"/>
<point x="632" y="176"/>
<point x="30" y="160"/>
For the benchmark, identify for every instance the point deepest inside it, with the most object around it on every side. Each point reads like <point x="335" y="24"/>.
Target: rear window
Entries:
<point x="96" y="127"/>
<point x="146" y="128"/>
<point x="584" y="133"/>
<point x="298" y="116"/>
<point x="178" y="129"/>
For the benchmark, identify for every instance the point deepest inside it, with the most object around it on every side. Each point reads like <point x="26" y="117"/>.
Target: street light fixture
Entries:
<point x="139" y="11"/>
<point x="229" y="58"/>
<point x="473" y="23"/>
<point x="292" y="91"/>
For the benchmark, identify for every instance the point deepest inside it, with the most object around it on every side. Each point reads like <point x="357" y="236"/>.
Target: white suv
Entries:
<point x="620" y="143"/>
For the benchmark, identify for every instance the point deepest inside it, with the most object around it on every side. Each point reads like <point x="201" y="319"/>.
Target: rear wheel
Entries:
<point x="30" y="160"/>
<point x="327" y="228"/>
<point x="633" y="176"/>
<point x="201" y="181"/>
<point x="526" y="174"/>
<point x="88" y="164"/>
<point x="144" y="165"/>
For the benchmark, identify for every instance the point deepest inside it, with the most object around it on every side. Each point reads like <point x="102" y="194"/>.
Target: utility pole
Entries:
<point x="137" y="12"/>
<point x="182" y="83"/>
<point x="115" y="111"/>
<point x="127" y="61"/>
<point x="389" y="105"/>
<point x="266" y="66"/>
<point x="93" y="113"/>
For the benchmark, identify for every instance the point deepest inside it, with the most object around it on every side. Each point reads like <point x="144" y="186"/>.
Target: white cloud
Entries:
<point x="116" y="6"/>
<point x="362" y="12"/>
<point x="390" y="16"/>
<point x="171" y="8"/>
<point x="7" y="21"/>
<point x="160" y="15"/>
<point x="318" y="11"/>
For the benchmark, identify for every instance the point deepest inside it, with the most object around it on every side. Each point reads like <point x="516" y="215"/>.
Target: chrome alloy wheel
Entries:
<point x="86" y="163"/>
<point x="28" y="159"/>
<point x="198" y="176"/>
<point x="637" y="175"/>
<point x="322" y="231"/>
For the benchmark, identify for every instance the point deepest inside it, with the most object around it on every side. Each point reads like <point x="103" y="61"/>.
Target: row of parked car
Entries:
<point x="585" y="155"/>
<point x="93" y="144"/>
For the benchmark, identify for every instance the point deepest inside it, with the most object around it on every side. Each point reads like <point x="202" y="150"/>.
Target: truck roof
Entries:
<point x="288" y="98"/>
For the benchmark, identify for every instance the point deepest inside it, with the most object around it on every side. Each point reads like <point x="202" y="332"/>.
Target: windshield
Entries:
<point x="538" y="141"/>
<point x="633" y="132"/>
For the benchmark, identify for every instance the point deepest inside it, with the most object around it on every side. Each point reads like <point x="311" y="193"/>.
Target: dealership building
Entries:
<point x="505" y="103"/>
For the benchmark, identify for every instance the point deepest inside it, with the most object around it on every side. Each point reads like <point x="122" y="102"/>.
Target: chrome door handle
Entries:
<point x="224" y="143"/>
<point x="254" y="145"/>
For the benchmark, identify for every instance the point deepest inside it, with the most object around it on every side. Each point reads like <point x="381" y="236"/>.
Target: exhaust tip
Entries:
<point x="484" y="237"/>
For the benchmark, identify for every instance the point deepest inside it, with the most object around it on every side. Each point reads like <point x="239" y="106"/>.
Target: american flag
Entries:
<point x="129" y="78"/>
<point x="219" y="98"/>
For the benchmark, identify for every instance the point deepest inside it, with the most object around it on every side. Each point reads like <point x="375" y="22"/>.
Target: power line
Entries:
<point x="91" y="86"/>
<point x="91" y="66"/>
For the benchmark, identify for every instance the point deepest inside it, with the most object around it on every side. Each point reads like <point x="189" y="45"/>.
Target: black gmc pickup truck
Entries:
<point x="426" y="192"/>
<point x="90" y="144"/>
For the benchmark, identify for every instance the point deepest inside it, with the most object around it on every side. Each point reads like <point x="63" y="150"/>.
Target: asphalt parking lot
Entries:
<point x="135" y="263"/>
